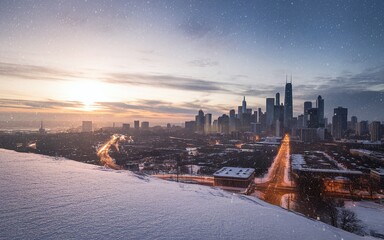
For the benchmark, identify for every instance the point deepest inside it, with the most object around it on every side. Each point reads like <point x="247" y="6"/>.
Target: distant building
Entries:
<point x="126" y="127"/>
<point x="353" y="126"/>
<point x="136" y="124"/>
<point x="144" y="125"/>
<point x="86" y="126"/>
<point x="362" y="128"/>
<point x="207" y="123"/>
<point x="374" y="131"/>
<point x="313" y="118"/>
<point x="308" y="135"/>
<point x="288" y="105"/>
<point x="244" y="106"/>
<point x="339" y="122"/>
<point x="320" y="110"/>
<point x="190" y="125"/>
<point x="277" y="99"/>
<point x="41" y="129"/>
<point x="270" y="109"/>
<point x="307" y="106"/>
<point x="223" y="124"/>
<point x="233" y="178"/>
<point x="199" y="118"/>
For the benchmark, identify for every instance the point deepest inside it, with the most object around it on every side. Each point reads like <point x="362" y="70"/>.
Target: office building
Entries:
<point x="144" y="125"/>
<point x="307" y="106"/>
<point x="270" y="103"/>
<point x="136" y="124"/>
<point x="244" y="106"/>
<point x="320" y="110"/>
<point x="288" y="106"/>
<point x="374" y="131"/>
<point x="277" y="99"/>
<point x="339" y="122"/>
<point x="207" y="123"/>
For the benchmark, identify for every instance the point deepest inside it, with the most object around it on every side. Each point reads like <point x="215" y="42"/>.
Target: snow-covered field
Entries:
<point x="371" y="214"/>
<point x="46" y="198"/>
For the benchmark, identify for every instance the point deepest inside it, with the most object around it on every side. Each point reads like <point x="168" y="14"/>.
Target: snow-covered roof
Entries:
<point x="234" y="172"/>
<point x="47" y="198"/>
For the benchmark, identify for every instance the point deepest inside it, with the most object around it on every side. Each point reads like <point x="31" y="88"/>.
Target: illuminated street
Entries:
<point x="276" y="183"/>
<point x="103" y="151"/>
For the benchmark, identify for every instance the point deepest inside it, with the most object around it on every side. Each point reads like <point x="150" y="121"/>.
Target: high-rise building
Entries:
<point x="232" y="113"/>
<point x="374" y="131"/>
<point x="307" y="106"/>
<point x="190" y="126"/>
<point x="223" y="124"/>
<point x="244" y="106"/>
<point x="144" y="125"/>
<point x="41" y="129"/>
<point x="313" y="118"/>
<point x="126" y="127"/>
<point x="362" y="128"/>
<point x="277" y="99"/>
<point x="136" y="124"/>
<point x="270" y="103"/>
<point x="200" y="121"/>
<point x="353" y="124"/>
<point x="207" y="123"/>
<point x="339" y="122"/>
<point x="320" y="110"/>
<point x="86" y="126"/>
<point x="288" y="105"/>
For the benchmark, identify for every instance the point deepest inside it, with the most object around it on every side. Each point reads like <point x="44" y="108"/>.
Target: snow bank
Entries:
<point x="44" y="198"/>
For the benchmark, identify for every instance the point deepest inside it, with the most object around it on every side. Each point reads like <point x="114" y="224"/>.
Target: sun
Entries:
<point x="88" y="93"/>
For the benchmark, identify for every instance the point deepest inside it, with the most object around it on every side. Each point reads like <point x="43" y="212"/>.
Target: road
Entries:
<point x="275" y="185"/>
<point x="103" y="152"/>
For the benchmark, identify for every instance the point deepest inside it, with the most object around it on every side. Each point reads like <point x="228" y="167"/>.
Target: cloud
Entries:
<point x="205" y="62"/>
<point x="38" y="105"/>
<point x="33" y="72"/>
<point x="169" y="81"/>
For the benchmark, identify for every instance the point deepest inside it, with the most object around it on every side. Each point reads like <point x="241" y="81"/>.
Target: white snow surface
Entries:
<point x="370" y="213"/>
<point x="47" y="198"/>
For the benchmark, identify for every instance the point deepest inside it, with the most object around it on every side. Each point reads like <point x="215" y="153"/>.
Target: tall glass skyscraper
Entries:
<point x="320" y="110"/>
<point x="288" y="106"/>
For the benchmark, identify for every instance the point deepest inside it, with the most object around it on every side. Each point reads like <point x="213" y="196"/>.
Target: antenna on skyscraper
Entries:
<point x="291" y="78"/>
<point x="286" y="78"/>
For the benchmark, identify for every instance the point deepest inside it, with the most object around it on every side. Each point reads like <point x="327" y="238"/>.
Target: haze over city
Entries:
<point x="164" y="60"/>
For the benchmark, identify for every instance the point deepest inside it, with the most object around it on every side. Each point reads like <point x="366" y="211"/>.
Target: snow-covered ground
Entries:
<point x="371" y="214"/>
<point x="46" y="198"/>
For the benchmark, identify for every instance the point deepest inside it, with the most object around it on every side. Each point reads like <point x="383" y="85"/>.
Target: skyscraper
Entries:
<point x="244" y="106"/>
<point x="307" y="106"/>
<point x="277" y="99"/>
<point x="339" y="122"/>
<point x="207" y="123"/>
<point x="200" y="121"/>
<point x="136" y="124"/>
<point x="288" y="105"/>
<point x="320" y="110"/>
<point x="270" y="103"/>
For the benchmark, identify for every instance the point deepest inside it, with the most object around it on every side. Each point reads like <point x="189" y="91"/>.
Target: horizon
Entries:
<point x="163" y="61"/>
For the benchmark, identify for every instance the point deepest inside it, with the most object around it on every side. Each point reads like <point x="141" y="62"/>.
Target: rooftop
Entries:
<point x="234" y="172"/>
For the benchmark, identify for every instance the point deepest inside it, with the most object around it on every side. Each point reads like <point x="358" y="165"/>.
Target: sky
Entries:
<point x="162" y="61"/>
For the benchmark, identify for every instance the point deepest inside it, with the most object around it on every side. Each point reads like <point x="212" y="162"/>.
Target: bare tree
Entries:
<point x="348" y="221"/>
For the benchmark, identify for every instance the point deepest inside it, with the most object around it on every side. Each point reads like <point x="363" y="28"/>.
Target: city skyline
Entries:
<point x="161" y="61"/>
